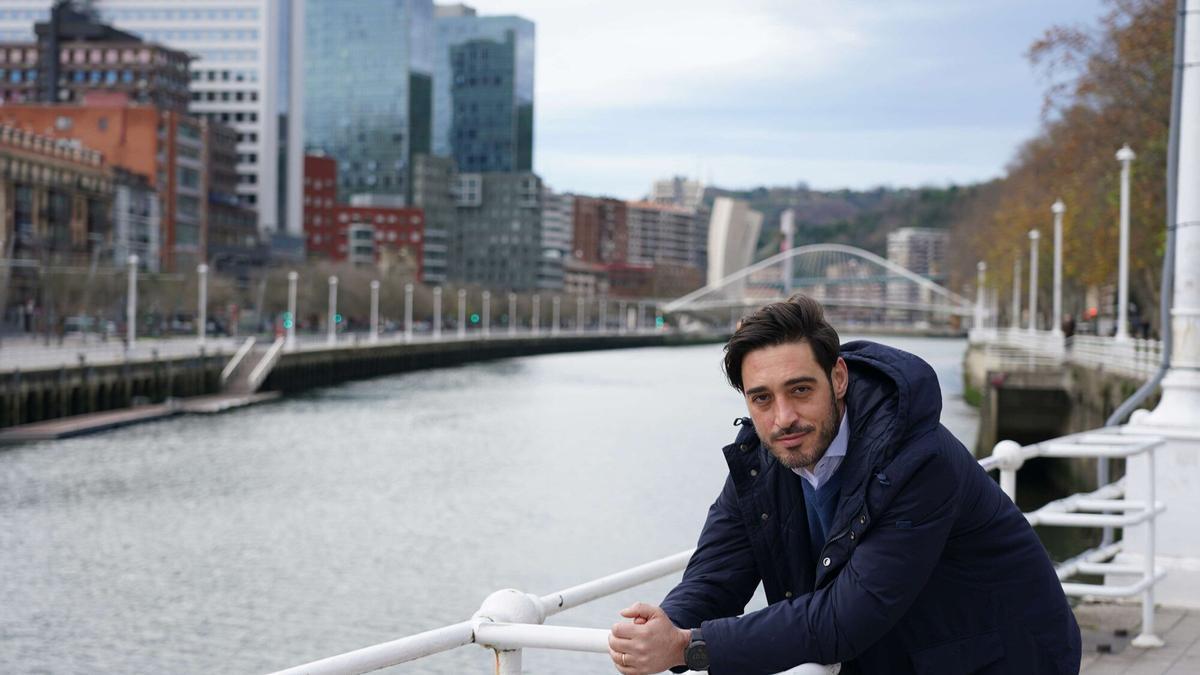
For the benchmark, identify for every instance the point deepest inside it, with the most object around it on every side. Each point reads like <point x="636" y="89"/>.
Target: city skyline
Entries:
<point x="907" y="94"/>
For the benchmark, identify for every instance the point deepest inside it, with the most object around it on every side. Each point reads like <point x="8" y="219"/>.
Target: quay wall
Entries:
<point x="37" y="395"/>
<point x="1033" y="403"/>
<point x="50" y="393"/>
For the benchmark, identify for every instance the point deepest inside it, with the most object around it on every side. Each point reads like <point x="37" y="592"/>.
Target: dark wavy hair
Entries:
<point x="797" y="319"/>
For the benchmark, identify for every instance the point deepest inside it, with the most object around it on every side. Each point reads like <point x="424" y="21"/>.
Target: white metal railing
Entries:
<point x="236" y="360"/>
<point x="1105" y="507"/>
<point x="1018" y="347"/>
<point x="265" y="365"/>
<point x="510" y="621"/>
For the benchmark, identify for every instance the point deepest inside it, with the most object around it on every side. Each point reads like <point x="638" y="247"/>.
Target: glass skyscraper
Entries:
<point x="483" y="96"/>
<point x="368" y="86"/>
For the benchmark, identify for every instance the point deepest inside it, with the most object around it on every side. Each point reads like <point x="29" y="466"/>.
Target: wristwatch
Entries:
<point x="696" y="654"/>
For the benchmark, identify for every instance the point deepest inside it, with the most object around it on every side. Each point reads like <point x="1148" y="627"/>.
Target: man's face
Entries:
<point x="795" y="406"/>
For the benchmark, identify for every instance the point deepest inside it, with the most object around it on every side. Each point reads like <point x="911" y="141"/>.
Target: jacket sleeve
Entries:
<point x="883" y="577"/>
<point x="721" y="575"/>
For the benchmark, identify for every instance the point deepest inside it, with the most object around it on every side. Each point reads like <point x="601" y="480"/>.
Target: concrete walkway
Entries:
<point x="1108" y="628"/>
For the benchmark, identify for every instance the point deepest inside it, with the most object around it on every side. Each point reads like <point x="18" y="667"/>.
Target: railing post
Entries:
<point x="437" y="313"/>
<point x="512" y="314"/>
<point x="408" y="312"/>
<point x="1009" y="457"/>
<point x="487" y="314"/>
<point x="535" y="318"/>
<point x="508" y="662"/>
<point x="1147" y="638"/>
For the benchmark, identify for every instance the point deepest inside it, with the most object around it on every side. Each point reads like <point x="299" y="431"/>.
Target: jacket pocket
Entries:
<point x="965" y="656"/>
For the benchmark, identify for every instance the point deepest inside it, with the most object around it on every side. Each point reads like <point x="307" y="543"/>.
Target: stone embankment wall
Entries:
<point x="39" y="395"/>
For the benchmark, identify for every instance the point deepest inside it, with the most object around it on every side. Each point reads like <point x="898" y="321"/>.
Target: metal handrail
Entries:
<point x="510" y="621"/>
<point x="265" y="364"/>
<point x="1095" y="509"/>
<point x="236" y="360"/>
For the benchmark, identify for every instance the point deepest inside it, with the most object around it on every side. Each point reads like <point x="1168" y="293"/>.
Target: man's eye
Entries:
<point x="802" y="389"/>
<point x="759" y="398"/>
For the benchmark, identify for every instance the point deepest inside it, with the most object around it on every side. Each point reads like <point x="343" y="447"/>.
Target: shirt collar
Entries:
<point x="828" y="465"/>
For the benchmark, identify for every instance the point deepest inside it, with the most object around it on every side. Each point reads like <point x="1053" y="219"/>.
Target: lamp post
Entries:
<point x="437" y="313"/>
<point x="462" y="313"/>
<point x="131" y="304"/>
<point x="1034" y="236"/>
<point x="487" y="314"/>
<point x="1016" y="294"/>
<point x="331" y="329"/>
<point x="554" y="315"/>
<point x="535" y="321"/>
<point x="603" y="311"/>
<point x="579" y="302"/>
<point x="512" y="314"/>
<point x="981" y="267"/>
<point x="374" y="311"/>
<point x="290" y="327"/>
<point x="1057" y="208"/>
<point x="408" y="312"/>
<point x="202" y="301"/>
<point x="623" y="319"/>
<point x="1125" y="155"/>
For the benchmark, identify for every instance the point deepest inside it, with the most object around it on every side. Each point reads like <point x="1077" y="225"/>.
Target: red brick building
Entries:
<point x="364" y="235"/>
<point x="601" y="230"/>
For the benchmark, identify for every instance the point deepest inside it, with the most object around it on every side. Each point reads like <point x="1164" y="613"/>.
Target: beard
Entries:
<point x="806" y="455"/>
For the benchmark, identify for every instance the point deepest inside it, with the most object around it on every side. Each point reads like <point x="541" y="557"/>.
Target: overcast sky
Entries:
<point x="833" y="93"/>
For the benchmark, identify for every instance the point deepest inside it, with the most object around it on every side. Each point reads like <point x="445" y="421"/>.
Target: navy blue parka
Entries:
<point x="928" y="568"/>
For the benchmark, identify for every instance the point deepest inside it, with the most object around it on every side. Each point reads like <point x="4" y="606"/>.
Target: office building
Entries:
<point x="483" y="90"/>
<point x="368" y="69"/>
<point x="678" y="190"/>
<point x="172" y="160"/>
<point x="497" y="237"/>
<point x="240" y="75"/>
<point x="733" y="233"/>
<point x="433" y="183"/>
<point x="75" y="55"/>
<point x="558" y="210"/>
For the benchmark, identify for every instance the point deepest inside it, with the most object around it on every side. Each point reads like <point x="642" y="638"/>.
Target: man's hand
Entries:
<point x="651" y="644"/>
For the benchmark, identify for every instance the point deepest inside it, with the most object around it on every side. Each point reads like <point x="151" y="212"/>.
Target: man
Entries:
<point x="879" y="541"/>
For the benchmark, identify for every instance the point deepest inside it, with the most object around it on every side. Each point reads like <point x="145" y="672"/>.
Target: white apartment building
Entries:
<point x="239" y="77"/>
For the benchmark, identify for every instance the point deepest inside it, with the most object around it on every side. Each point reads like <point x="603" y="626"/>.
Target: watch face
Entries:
<point x="696" y="656"/>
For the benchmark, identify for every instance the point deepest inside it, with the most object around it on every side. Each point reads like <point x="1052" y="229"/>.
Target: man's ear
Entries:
<point x="840" y="379"/>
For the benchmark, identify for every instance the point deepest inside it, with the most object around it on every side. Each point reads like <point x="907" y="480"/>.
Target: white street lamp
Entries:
<point x="1034" y="236"/>
<point x="554" y="325"/>
<point x="408" y="312"/>
<point x="202" y="302"/>
<point x="331" y="329"/>
<point x="981" y="267"/>
<point x="290" y="324"/>
<point x="535" y="321"/>
<point x="462" y="313"/>
<point x="437" y="313"/>
<point x="131" y="304"/>
<point x="512" y="314"/>
<point x="487" y="314"/>
<point x="374" y="311"/>
<point x="579" y="302"/>
<point x="1057" y="208"/>
<point x="1125" y="155"/>
<point x="1015" y="321"/>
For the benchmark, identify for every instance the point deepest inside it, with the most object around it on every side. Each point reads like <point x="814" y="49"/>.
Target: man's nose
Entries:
<point x="785" y="414"/>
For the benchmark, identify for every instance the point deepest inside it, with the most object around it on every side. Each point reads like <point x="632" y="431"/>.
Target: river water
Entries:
<point x="271" y="536"/>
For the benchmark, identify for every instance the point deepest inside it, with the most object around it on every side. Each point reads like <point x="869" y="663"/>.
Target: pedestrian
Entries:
<point x="880" y="542"/>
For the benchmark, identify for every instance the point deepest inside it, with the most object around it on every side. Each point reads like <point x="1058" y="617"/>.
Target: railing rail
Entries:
<point x="510" y="621"/>
<point x="1105" y="507"/>
<point x="236" y="360"/>
<point x="1007" y="348"/>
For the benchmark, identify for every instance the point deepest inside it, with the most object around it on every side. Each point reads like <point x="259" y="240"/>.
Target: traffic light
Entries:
<point x="658" y="322"/>
<point x="474" y="318"/>
<point x="288" y="322"/>
<point x="337" y="318"/>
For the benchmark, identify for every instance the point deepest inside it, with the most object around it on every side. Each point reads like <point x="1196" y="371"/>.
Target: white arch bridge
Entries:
<point x="855" y="285"/>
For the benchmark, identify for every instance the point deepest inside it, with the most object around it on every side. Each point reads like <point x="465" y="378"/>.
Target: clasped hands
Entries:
<point x="648" y="644"/>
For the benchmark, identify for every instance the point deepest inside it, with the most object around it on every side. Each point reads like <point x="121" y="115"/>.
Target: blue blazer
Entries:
<point x="928" y="568"/>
